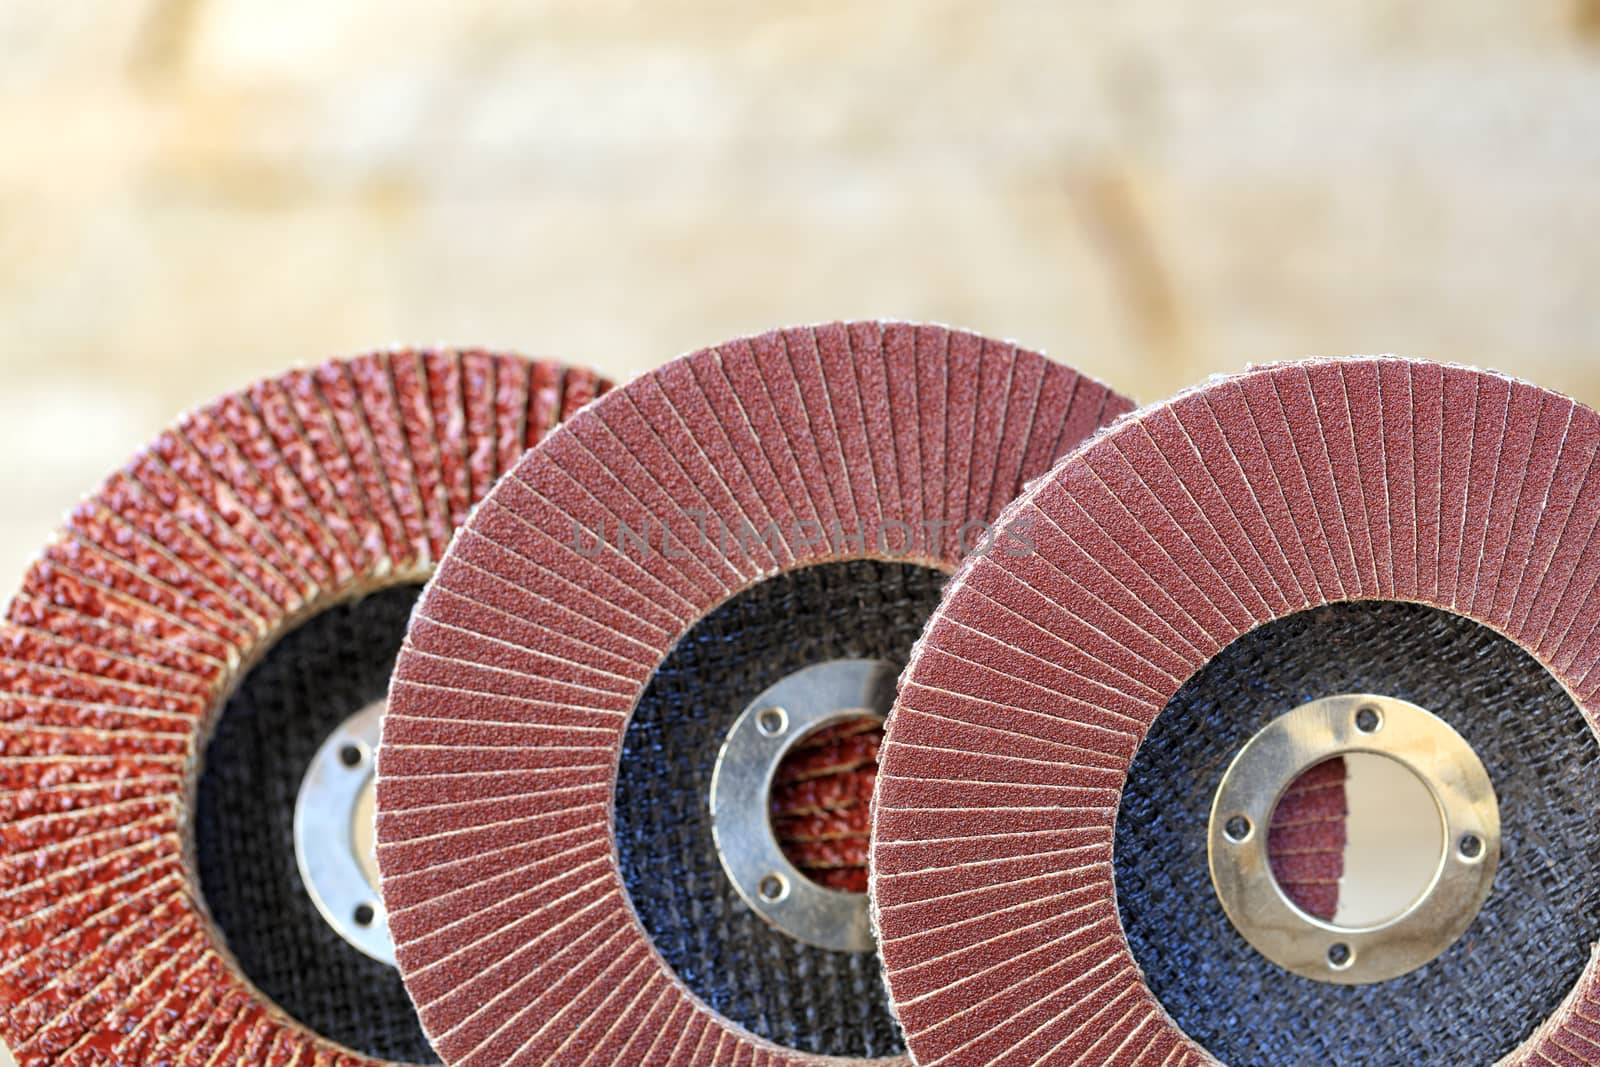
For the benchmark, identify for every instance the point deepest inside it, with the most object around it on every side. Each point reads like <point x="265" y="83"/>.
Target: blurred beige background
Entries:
<point x="194" y="193"/>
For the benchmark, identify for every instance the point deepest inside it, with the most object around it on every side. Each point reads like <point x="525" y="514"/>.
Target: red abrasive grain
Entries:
<point x="820" y="802"/>
<point x="340" y="399"/>
<point x="447" y="397"/>
<point x="260" y="461"/>
<point x="477" y="391"/>
<point x="1158" y="544"/>
<point x="511" y="384"/>
<point x="333" y="458"/>
<point x="205" y="456"/>
<point x="208" y="585"/>
<point x="143" y="522"/>
<point x="544" y="404"/>
<point x="409" y="373"/>
<point x="300" y="474"/>
<point x="536" y="637"/>
<point x="376" y="398"/>
<point x="188" y="601"/>
<point x="132" y="628"/>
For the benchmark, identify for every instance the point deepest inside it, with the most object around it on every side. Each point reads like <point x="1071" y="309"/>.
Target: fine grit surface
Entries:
<point x="543" y="628"/>
<point x="1164" y="540"/>
<point x="180" y="572"/>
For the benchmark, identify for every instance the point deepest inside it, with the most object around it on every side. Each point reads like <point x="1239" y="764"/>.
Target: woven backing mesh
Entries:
<point x="806" y="998"/>
<point x="313" y="679"/>
<point x="1528" y="946"/>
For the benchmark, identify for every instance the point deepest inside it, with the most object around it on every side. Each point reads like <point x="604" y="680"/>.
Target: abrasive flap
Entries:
<point x="249" y="515"/>
<point x="577" y="577"/>
<point x="1174" y="533"/>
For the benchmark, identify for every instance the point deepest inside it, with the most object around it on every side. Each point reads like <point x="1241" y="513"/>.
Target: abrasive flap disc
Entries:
<point x="1234" y="597"/>
<point x="631" y="737"/>
<point x="172" y="663"/>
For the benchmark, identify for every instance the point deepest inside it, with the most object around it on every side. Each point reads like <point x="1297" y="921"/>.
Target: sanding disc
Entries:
<point x="305" y="502"/>
<point x="738" y="513"/>
<point x="1221" y="543"/>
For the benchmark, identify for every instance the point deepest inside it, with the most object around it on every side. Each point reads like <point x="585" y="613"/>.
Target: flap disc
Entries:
<point x="724" y="559"/>
<point x="1327" y="560"/>
<point x="174" y="660"/>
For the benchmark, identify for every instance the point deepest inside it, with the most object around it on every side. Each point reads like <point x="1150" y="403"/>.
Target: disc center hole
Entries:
<point x="1356" y="840"/>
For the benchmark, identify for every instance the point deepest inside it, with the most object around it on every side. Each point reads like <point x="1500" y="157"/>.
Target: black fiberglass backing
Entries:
<point x="317" y="676"/>
<point x="806" y="998"/>
<point x="1528" y="946"/>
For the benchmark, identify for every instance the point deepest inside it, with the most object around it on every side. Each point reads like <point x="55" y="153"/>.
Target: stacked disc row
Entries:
<point x="1160" y="543"/>
<point x="577" y="575"/>
<point x="1120" y="571"/>
<point x="135" y="622"/>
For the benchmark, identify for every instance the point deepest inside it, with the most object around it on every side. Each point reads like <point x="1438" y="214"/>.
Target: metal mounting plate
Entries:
<point x="333" y="834"/>
<point x="1279" y="753"/>
<point x="741" y="784"/>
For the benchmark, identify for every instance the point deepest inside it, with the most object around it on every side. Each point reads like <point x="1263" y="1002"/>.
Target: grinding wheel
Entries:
<point x="1302" y="532"/>
<point x="567" y="706"/>
<point x="248" y="570"/>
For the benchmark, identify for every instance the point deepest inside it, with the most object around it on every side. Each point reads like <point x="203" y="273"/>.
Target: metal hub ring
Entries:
<point x="772" y="724"/>
<point x="334" y="834"/>
<point x="1292" y="743"/>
